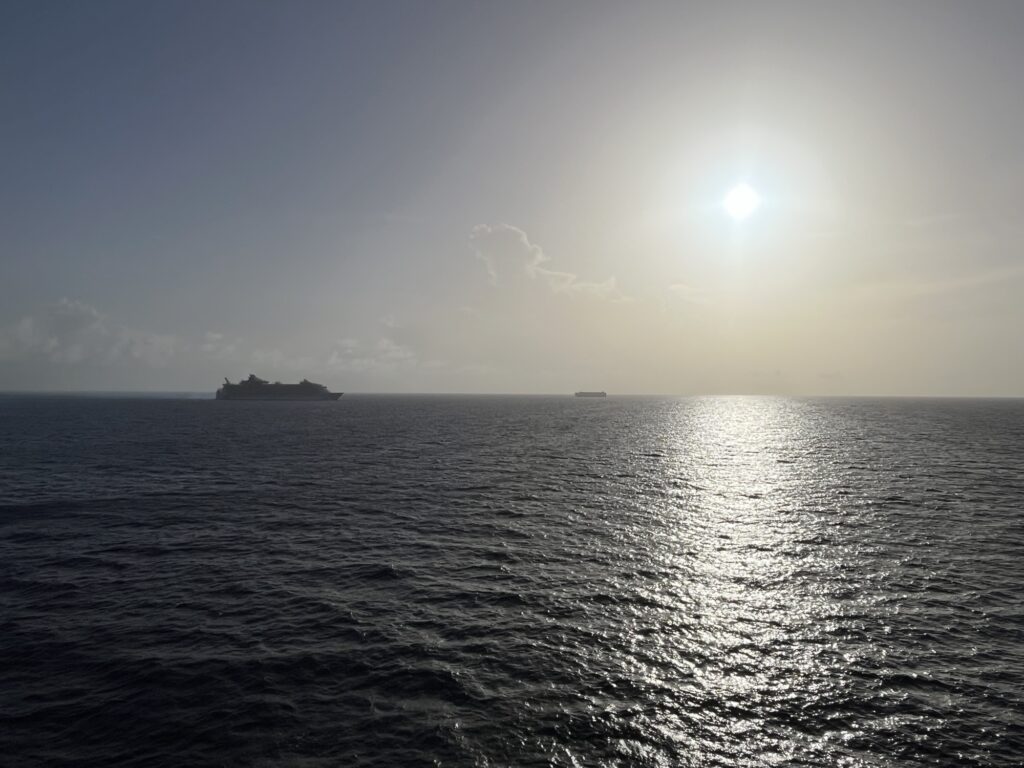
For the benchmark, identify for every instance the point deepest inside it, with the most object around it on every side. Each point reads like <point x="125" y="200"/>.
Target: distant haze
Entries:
<point x="513" y="197"/>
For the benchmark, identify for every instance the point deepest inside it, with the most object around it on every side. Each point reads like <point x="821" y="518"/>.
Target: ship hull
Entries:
<point x="255" y="388"/>
<point x="288" y="397"/>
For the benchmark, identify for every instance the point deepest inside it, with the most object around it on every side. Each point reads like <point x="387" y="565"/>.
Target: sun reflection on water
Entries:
<point x="757" y="591"/>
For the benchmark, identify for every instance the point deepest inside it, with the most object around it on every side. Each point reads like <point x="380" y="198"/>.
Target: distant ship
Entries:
<point x="255" y="388"/>
<point x="591" y="394"/>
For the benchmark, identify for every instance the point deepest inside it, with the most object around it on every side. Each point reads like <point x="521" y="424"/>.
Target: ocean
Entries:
<point x="511" y="581"/>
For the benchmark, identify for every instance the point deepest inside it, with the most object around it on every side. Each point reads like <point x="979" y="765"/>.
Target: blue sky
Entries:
<point x="511" y="197"/>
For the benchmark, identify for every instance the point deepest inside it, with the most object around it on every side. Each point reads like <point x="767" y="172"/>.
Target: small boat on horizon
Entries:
<point x="591" y="394"/>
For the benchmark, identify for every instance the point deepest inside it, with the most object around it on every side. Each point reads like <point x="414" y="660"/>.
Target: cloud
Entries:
<point x="219" y="347"/>
<point x="504" y="244"/>
<point x="278" y="360"/>
<point x="608" y="289"/>
<point x="358" y="357"/>
<point x="152" y="349"/>
<point x="70" y="332"/>
<point x="692" y="294"/>
<point x="926" y="286"/>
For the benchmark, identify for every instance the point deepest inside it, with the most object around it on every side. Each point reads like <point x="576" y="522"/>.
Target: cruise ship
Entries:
<point x="255" y="388"/>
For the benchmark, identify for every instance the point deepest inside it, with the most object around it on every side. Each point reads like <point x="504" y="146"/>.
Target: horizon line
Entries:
<point x="207" y="394"/>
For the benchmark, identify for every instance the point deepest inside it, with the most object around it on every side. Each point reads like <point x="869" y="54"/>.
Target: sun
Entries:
<point x="741" y="202"/>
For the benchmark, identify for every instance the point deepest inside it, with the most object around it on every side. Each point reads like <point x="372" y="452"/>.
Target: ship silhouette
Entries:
<point x="255" y="388"/>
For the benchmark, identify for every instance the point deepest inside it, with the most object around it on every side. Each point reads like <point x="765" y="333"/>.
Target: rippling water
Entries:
<point x="492" y="581"/>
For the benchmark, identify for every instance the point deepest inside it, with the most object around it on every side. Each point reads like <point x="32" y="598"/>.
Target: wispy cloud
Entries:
<point x="692" y="294"/>
<point x="354" y="356"/>
<point x="496" y="245"/>
<point x="277" y="360"/>
<point x="911" y="288"/>
<point x="70" y="332"/>
<point x="219" y="346"/>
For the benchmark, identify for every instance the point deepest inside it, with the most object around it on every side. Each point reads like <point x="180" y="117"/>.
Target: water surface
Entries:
<point x="492" y="581"/>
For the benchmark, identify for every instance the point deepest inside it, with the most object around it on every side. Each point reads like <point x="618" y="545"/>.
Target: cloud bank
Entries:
<point x="70" y="332"/>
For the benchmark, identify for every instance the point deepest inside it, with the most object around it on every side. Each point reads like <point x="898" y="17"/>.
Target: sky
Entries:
<point x="513" y="197"/>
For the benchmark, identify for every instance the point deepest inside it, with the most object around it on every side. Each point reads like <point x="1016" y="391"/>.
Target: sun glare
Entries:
<point x="741" y="201"/>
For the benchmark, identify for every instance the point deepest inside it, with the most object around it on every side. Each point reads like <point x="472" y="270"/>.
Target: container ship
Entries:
<point x="255" y="388"/>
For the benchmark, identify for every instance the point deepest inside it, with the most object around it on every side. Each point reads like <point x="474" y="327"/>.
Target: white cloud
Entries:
<point x="354" y="356"/>
<point x="607" y="289"/>
<point x="692" y="294"/>
<point x="504" y="244"/>
<point x="278" y="360"/>
<point x="154" y="349"/>
<point x="219" y="347"/>
<point x="904" y="289"/>
<point x="70" y="332"/>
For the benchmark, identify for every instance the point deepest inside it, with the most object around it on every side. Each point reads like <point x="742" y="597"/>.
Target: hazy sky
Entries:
<point x="513" y="197"/>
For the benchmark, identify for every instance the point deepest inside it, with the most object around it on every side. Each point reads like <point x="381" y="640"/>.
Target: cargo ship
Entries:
<point x="255" y="388"/>
<point x="591" y="394"/>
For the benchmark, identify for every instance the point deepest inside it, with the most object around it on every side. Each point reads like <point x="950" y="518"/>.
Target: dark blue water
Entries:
<point x="391" y="581"/>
